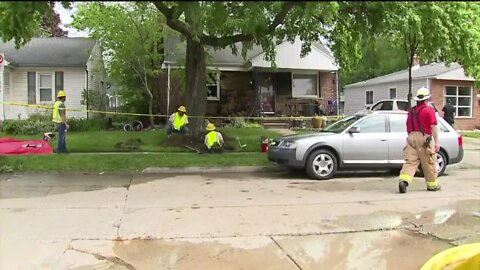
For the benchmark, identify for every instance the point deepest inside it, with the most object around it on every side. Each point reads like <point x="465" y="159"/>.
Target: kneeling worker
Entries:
<point x="178" y="121"/>
<point x="214" y="139"/>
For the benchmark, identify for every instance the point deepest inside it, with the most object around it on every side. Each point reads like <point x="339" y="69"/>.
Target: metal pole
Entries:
<point x="338" y="92"/>
<point x="86" y="87"/>
<point x="168" y="90"/>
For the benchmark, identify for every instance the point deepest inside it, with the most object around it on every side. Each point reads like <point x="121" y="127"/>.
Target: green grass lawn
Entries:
<point x="125" y="163"/>
<point x="105" y="141"/>
<point x="471" y="134"/>
<point x="93" y="142"/>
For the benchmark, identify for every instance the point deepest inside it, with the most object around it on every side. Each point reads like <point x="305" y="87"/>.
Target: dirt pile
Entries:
<point x="195" y="142"/>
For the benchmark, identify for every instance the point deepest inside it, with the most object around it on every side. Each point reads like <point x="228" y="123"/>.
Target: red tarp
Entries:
<point x="10" y="146"/>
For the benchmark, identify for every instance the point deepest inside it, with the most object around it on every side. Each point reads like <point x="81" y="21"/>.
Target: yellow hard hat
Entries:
<point x="422" y="94"/>
<point x="182" y="109"/>
<point x="61" y="93"/>
<point x="210" y="127"/>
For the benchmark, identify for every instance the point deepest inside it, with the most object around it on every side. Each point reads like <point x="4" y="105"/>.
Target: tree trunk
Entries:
<point x="150" y="101"/>
<point x="196" y="85"/>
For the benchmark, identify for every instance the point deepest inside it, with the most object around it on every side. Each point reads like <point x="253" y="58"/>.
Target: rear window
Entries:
<point x="402" y="105"/>
<point x="398" y="123"/>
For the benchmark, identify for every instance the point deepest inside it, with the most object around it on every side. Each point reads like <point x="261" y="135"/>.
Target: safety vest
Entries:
<point x="56" y="118"/>
<point x="212" y="138"/>
<point x="179" y="121"/>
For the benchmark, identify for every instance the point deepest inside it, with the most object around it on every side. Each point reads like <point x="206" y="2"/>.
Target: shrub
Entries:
<point x="82" y="124"/>
<point x="26" y="127"/>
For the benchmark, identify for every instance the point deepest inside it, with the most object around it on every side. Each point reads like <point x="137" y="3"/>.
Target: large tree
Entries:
<point x="379" y="57"/>
<point x="223" y="24"/>
<point x="50" y="25"/>
<point x="132" y="36"/>
<point x="436" y="31"/>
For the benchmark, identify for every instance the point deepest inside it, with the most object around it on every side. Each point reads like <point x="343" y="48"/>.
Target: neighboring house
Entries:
<point x="35" y="73"/>
<point x="251" y="87"/>
<point x="444" y="82"/>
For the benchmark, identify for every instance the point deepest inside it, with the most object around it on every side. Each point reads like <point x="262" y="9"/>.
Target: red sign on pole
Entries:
<point x="1" y="59"/>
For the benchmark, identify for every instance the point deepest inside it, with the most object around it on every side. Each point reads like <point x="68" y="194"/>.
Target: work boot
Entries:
<point x="437" y="188"/>
<point x="402" y="186"/>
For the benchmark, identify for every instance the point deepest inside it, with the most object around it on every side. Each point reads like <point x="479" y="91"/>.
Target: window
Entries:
<point x="461" y="98"/>
<point x="213" y="86"/>
<point x="402" y="105"/>
<point x="398" y="123"/>
<point x="377" y="106"/>
<point x="393" y="93"/>
<point x="45" y="87"/>
<point x="369" y="98"/>
<point x="374" y="124"/>
<point x="304" y="85"/>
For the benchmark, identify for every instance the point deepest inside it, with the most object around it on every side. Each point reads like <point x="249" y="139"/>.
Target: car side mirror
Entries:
<point x="368" y="107"/>
<point x="354" y="130"/>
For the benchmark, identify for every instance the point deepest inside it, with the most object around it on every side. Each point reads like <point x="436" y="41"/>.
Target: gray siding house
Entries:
<point x="444" y="82"/>
<point x="34" y="74"/>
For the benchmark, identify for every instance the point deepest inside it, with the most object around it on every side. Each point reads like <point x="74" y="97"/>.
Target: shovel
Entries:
<point x="241" y="145"/>
<point x="193" y="149"/>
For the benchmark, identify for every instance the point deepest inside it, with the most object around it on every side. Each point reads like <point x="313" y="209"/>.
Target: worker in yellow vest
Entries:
<point x="178" y="121"/>
<point x="214" y="139"/>
<point x="59" y="117"/>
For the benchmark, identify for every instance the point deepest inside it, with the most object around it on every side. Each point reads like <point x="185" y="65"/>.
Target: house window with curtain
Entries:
<point x="304" y="85"/>
<point x="213" y="86"/>
<point x="461" y="98"/>
<point x="369" y="98"/>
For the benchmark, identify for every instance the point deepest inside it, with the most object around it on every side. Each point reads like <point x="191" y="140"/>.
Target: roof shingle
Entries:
<point x="50" y="52"/>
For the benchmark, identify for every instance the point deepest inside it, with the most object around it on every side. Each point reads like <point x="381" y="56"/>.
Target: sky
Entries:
<point x="66" y="18"/>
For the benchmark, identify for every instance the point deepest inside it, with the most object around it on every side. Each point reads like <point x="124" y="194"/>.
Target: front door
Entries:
<point x="370" y="145"/>
<point x="266" y="93"/>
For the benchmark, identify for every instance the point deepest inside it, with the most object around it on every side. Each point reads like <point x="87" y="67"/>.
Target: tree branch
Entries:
<point x="171" y="15"/>
<point x="228" y="40"/>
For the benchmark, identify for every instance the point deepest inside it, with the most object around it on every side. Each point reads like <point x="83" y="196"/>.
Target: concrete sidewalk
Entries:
<point x="232" y="221"/>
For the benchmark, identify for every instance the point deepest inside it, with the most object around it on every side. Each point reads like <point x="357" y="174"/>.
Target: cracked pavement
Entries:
<point x="233" y="221"/>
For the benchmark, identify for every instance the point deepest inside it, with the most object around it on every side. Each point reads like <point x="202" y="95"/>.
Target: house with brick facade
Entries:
<point x="445" y="82"/>
<point x="251" y="87"/>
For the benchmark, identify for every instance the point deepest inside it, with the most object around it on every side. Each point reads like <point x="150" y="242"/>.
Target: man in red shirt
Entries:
<point x="422" y="143"/>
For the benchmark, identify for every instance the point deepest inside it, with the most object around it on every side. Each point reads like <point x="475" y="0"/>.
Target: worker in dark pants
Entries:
<point x="449" y="113"/>
<point x="422" y="143"/>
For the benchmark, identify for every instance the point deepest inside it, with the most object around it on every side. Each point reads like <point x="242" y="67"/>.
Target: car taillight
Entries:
<point x="460" y="140"/>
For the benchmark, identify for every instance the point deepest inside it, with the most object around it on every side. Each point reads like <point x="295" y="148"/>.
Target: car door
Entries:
<point x="368" y="146"/>
<point x="397" y="137"/>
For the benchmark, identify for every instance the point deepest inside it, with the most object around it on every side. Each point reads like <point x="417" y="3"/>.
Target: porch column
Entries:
<point x="257" y="92"/>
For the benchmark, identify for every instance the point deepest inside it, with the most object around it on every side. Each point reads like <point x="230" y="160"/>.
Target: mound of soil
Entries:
<point x="196" y="142"/>
<point x="132" y="144"/>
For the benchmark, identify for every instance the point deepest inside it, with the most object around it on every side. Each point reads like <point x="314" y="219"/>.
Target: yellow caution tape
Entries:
<point x="50" y="107"/>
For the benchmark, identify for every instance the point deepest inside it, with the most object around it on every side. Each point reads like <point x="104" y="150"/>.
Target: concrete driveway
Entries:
<point x="234" y="221"/>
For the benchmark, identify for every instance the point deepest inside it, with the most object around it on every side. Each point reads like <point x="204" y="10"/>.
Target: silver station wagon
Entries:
<point x="373" y="140"/>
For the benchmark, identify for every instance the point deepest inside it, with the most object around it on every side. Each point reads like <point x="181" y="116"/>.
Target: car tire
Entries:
<point x="316" y="170"/>
<point x="441" y="161"/>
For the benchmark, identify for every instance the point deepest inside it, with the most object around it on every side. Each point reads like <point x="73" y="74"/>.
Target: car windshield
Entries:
<point x="340" y="125"/>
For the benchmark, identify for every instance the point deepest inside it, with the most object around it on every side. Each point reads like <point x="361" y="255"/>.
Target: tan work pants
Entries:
<point x="416" y="153"/>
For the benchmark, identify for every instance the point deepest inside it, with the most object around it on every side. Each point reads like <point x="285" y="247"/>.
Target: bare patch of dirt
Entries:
<point x="195" y="142"/>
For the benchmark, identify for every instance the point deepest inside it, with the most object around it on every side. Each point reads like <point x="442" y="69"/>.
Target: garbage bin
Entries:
<point x="317" y="122"/>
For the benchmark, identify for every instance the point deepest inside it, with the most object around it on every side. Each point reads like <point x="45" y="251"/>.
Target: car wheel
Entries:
<point x="321" y="164"/>
<point x="441" y="163"/>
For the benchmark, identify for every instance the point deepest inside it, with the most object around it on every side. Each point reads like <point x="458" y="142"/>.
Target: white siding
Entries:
<point x="73" y="82"/>
<point x="288" y="56"/>
<point x="355" y="96"/>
